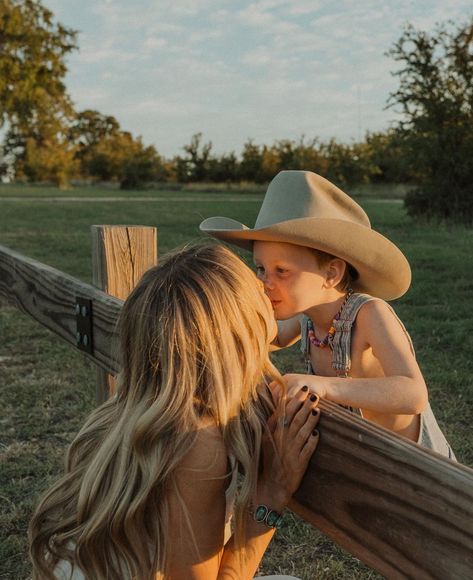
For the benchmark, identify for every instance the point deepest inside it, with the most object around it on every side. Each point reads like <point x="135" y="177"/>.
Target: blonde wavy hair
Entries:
<point x="194" y="338"/>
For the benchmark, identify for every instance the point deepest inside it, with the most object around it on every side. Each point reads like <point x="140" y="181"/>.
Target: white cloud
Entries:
<point x="236" y="69"/>
<point x="153" y="43"/>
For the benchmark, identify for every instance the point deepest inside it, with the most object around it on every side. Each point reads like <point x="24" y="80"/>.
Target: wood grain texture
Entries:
<point x="48" y="296"/>
<point x="120" y="257"/>
<point x="405" y="511"/>
<point x="402" y="510"/>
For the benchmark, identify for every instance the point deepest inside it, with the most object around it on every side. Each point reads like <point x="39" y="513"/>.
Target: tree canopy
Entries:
<point x="32" y="65"/>
<point x="435" y="96"/>
<point x="34" y="104"/>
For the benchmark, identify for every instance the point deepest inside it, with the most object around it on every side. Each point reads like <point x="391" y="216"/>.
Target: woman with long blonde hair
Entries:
<point x="150" y="480"/>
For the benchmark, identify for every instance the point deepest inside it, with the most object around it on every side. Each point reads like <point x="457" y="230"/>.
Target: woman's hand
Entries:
<point x="287" y="453"/>
<point x="295" y="382"/>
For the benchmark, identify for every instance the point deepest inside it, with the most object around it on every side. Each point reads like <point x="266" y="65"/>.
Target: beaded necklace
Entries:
<point x="331" y="333"/>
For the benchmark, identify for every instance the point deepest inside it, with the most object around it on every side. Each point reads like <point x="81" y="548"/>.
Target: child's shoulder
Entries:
<point x="372" y="304"/>
<point x="377" y="317"/>
<point x="374" y="310"/>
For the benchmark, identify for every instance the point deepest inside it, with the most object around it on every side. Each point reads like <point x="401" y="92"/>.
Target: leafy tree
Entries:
<point x="300" y="155"/>
<point x="32" y="62"/>
<point x="142" y="166"/>
<point x="347" y="164"/>
<point x="90" y="127"/>
<point x="194" y="167"/>
<point x="49" y="161"/>
<point x="118" y="156"/>
<point x="34" y="104"/>
<point x="43" y="152"/>
<point x="223" y="168"/>
<point x="388" y="153"/>
<point x="251" y="159"/>
<point x="259" y="163"/>
<point x="93" y="136"/>
<point x="105" y="160"/>
<point x="435" y="95"/>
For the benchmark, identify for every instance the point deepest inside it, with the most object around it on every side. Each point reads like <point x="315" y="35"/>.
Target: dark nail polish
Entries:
<point x="313" y="398"/>
<point x="315" y="433"/>
<point x="315" y="412"/>
<point x="305" y="388"/>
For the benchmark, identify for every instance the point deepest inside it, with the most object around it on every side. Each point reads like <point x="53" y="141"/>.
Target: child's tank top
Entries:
<point x="430" y="434"/>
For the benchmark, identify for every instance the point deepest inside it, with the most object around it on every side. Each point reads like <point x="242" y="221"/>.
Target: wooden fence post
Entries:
<point x="120" y="256"/>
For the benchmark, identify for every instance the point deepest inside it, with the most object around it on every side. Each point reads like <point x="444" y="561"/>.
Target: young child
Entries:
<point x="328" y="274"/>
<point x="151" y="478"/>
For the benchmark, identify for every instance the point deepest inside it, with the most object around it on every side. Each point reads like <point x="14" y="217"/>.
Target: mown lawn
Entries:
<point x="47" y="388"/>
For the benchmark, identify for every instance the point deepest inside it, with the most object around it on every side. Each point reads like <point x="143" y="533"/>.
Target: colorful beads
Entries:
<point x="331" y="333"/>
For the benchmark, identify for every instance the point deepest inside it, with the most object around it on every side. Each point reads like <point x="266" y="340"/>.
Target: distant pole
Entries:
<point x="120" y="256"/>
<point x="359" y="111"/>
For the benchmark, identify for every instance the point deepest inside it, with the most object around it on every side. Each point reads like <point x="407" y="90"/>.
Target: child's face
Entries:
<point x="292" y="277"/>
<point x="273" y="325"/>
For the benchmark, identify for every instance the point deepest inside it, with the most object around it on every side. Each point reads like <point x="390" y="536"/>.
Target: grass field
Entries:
<point x="47" y="388"/>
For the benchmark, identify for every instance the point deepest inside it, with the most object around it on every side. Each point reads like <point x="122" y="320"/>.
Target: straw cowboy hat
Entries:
<point x="303" y="208"/>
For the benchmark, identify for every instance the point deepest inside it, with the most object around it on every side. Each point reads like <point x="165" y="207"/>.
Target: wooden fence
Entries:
<point x="404" y="511"/>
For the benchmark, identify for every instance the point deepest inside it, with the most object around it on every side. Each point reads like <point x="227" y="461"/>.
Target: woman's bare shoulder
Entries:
<point x="208" y="455"/>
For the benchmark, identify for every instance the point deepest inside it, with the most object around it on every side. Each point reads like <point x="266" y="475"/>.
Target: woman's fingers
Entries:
<point x="305" y="421"/>
<point x="295" y="403"/>
<point x="310" y="446"/>
<point x="309" y="425"/>
<point x="302" y="413"/>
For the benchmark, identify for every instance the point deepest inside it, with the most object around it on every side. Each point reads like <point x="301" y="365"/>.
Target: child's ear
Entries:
<point x="335" y="272"/>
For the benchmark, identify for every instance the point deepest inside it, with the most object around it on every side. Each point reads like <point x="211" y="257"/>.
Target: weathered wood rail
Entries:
<point x="49" y="296"/>
<point x="404" y="511"/>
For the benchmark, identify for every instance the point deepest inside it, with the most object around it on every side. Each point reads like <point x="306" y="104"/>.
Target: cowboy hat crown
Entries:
<point x="302" y="195"/>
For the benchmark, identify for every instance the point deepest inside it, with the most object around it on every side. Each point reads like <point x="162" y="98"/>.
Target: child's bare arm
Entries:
<point x="289" y="332"/>
<point x="401" y="390"/>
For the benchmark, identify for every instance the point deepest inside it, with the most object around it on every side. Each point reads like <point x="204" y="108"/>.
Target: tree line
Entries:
<point x="431" y="147"/>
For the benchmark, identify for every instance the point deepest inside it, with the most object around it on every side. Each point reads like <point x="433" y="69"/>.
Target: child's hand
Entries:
<point x="295" y="382"/>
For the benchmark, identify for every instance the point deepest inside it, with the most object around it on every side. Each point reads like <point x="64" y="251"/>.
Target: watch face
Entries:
<point x="260" y="513"/>
<point x="273" y="519"/>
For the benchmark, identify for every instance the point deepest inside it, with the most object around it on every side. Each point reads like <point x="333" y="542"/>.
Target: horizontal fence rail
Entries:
<point x="404" y="511"/>
<point x="49" y="296"/>
<point x="401" y="509"/>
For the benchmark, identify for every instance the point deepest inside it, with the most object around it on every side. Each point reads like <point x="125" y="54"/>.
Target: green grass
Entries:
<point x="377" y="191"/>
<point x="47" y="388"/>
<point x="40" y="191"/>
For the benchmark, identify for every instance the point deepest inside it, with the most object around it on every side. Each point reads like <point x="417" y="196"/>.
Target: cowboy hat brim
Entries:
<point x="383" y="269"/>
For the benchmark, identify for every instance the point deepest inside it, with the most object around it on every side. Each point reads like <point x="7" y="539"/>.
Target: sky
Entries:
<point x="237" y="70"/>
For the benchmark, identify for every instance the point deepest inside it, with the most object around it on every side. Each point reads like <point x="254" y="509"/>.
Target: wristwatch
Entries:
<point x="264" y="515"/>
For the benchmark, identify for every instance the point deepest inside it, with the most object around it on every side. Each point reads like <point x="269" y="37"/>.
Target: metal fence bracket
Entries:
<point x="84" y="335"/>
